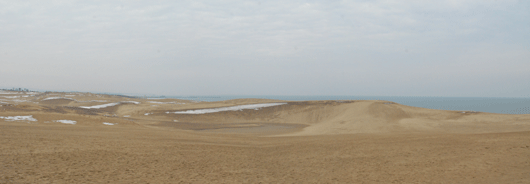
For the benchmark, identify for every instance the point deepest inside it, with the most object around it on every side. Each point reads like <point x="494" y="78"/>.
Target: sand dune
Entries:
<point x="296" y="142"/>
<point x="329" y="117"/>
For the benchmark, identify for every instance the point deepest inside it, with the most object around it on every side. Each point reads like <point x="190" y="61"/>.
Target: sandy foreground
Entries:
<point x="91" y="138"/>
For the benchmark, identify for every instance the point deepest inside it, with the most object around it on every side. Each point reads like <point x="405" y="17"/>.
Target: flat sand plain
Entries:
<point x="298" y="142"/>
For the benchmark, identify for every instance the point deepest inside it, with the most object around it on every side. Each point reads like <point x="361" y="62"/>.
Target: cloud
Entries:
<point x="264" y="47"/>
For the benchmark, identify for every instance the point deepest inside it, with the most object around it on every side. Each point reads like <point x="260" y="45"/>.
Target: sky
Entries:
<point x="453" y="48"/>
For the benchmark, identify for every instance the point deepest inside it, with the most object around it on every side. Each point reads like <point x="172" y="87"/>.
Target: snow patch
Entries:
<point x="54" y="98"/>
<point x="66" y="121"/>
<point x="127" y="116"/>
<point x="11" y="96"/>
<point x="99" y="106"/>
<point x="233" y="108"/>
<point x="18" y="118"/>
<point x="165" y="102"/>
<point x="105" y="123"/>
<point x="107" y="105"/>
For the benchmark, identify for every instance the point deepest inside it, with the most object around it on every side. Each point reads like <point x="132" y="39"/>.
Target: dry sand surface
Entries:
<point x="62" y="138"/>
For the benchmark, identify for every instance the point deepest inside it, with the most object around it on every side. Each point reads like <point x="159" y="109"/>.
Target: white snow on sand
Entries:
<point x="11" y="96"/>
<point x="233" y="108"/>
<point x="127" y="116"/>
<point x="99" y="106"/>
<point x="107" y="105"/>
<point x="66" y="121"/>
<point x="165" y="102"/>
<point x="105" y="123"/>
<point x="19" y="118"/>
<point x="54" y="98"/>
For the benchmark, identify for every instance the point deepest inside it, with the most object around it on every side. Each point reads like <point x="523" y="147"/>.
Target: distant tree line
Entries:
<point x="19" y="89"/>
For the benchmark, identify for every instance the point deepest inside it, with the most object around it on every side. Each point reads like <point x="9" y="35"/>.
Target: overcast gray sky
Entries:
<point x="466" y="48"/>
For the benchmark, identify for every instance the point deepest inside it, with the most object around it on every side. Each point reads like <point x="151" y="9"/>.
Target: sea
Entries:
<point x="479" y="104"/>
